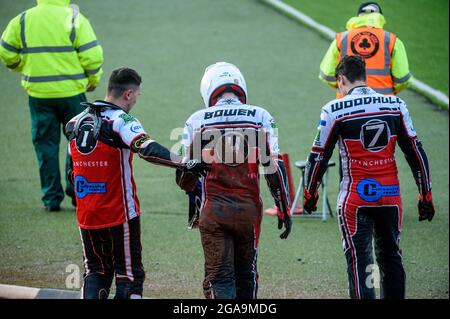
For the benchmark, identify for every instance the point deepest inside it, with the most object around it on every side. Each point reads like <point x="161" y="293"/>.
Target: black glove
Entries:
<point x="310" y="201"/>
<point x="426" y="207"/>
<point x="284" y="219"/>
<point x="196" y="168"/>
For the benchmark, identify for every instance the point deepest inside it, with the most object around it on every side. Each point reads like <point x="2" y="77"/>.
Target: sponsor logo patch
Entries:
<point x="136" y="128"/>
<point x="371" y="190"/>
<point x="83" y="187"/>
<point x="127" y="118"/>
<point x="273" y="124"/>
<point x="317" y="139"/>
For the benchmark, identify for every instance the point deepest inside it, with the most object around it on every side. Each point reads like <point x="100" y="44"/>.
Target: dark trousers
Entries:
<point x="109" y="252"/>
<point x="380" y="224"/>
<point x="48" y="119"/>
<point x="230" y="260"/>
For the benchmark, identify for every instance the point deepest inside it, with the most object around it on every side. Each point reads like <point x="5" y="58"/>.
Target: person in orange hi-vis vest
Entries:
<point x="385" y="56"/>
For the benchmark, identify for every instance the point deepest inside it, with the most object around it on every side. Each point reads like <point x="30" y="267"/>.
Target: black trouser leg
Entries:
<point x="218" y="248"/>
<point x="388" y="253"/>
<point x="98" y="263"/>
<point x="245" y="264"/>
<point x="128" y="266"/>
<point x="358" y="252"/>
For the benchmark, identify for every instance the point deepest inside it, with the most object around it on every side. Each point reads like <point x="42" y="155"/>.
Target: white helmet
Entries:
<point x="219" y="78"/>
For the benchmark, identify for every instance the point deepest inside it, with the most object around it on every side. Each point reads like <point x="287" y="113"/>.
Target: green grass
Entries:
<point x="422" y="26"/>
<point x="170" y="45"/>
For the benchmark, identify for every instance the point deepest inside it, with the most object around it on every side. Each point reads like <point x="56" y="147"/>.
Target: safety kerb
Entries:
<point x="435" y="96"/>
<point x="21" y="292"/>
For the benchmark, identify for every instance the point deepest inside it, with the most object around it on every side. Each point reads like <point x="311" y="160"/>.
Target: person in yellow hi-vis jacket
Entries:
<point x="55" y="48"/>
<point x="387" y="66"/>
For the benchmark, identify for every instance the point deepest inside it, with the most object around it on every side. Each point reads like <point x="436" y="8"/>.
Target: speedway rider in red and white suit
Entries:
<point x="103" y="140"/>
<point x="234" y="138"/>
<point x="367" y="126"/>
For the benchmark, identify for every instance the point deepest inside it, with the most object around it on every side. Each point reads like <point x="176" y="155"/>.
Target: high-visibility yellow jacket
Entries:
<point x="55" y="48"/>
<point x="387" y="65"/>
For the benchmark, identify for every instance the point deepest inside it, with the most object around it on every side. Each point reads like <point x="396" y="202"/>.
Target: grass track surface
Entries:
<point x="422" y="26"/>
<point x="171" y="43"/>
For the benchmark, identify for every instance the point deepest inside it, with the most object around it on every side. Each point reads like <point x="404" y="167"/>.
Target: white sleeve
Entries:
<point x="187" y="136"/>
<point x="407" y="121"/>
<point x="271" y="131"/>
<point x="129" y="128"/>
<point x="325" y="128"/>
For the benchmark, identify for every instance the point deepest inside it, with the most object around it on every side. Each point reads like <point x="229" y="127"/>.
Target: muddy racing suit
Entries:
<point x="226" y="136"/>
<point x="367" y="126"/>
<point x="108" y="208"/>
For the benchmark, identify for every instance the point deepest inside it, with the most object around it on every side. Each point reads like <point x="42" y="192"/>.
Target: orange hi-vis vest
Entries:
<point x="375" y="45"/>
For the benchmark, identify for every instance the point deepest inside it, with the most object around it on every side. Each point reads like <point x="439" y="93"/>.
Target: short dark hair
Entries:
<point x="353" y="67"/>
<point x="362" y="7"/>
<point x="123" y="79"/>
